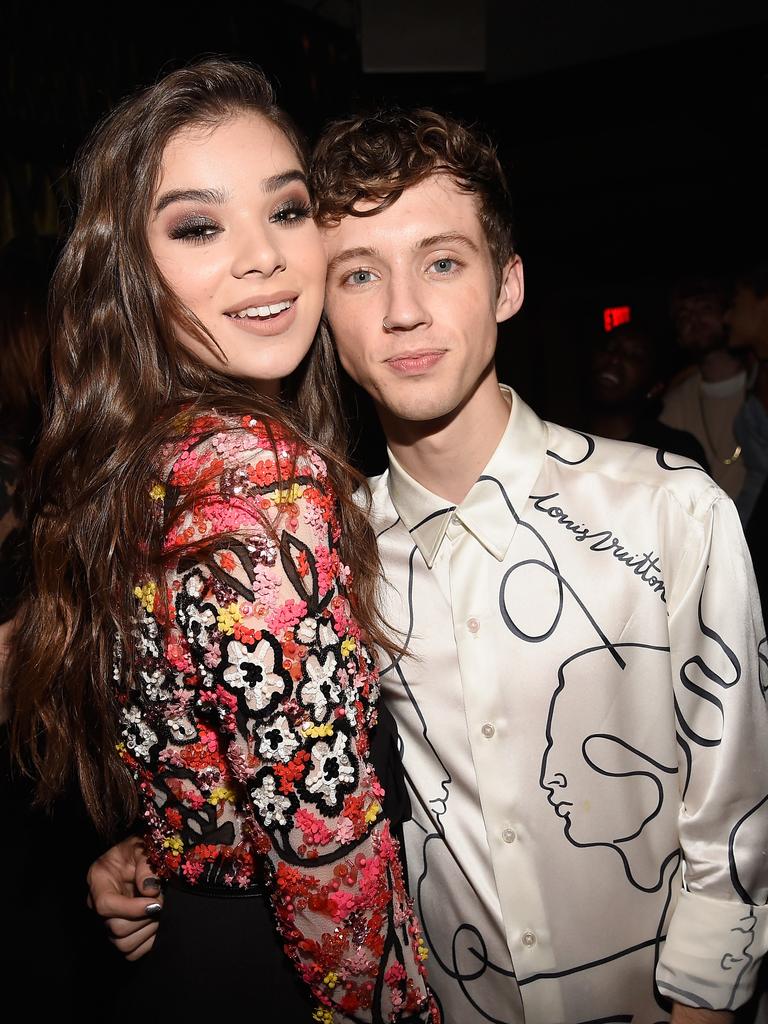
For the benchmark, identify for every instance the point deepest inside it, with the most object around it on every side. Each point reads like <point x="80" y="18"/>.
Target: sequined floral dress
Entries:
<point x="247" y="724"/>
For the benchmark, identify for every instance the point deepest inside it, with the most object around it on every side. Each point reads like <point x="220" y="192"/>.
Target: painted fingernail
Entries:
<point x="153" y="909"/>
<point x="151" y="883"/>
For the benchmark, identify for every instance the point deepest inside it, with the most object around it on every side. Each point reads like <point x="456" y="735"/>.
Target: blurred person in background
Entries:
<point x="747" y="321"/>
<point x="706" y="401"/>
<point x="625" y="385"/>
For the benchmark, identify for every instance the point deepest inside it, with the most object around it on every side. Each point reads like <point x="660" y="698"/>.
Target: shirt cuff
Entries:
<point x="713" y="952"/>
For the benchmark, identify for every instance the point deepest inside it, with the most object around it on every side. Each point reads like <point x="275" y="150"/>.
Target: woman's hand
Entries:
<point x="116" y="882"/>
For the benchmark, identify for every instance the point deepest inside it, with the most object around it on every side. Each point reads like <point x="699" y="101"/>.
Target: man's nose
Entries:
<point x="406" y="308"/>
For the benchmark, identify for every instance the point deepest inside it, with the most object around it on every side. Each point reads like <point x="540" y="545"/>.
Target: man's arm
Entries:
<point x="691" y="1015"/>
<point x="719" y="930"/>
<point x="115" y="884"/>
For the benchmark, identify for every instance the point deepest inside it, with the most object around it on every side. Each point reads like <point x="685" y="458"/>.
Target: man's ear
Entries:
<point x="511" y="290"/>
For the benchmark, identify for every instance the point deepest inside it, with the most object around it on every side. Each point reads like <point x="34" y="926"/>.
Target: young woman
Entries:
<point x="196" y="643"/>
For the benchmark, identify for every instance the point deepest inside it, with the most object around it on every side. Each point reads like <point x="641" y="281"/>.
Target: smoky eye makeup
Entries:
<point x="194" y="228"/>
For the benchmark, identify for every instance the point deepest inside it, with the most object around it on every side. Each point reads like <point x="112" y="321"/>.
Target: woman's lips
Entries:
<point x="413" y="363"/>
<point x="265" y="327"/>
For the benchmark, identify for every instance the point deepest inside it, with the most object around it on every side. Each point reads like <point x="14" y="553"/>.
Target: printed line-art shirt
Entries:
<point x="583" y="719"/>
<point x="247" y="726"/>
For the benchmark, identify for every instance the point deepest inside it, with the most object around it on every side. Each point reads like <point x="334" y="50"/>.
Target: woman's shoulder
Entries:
<point x="213" y="445"/>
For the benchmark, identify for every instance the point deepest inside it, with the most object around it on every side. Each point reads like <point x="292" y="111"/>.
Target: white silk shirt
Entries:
<point x="583" y="722"/>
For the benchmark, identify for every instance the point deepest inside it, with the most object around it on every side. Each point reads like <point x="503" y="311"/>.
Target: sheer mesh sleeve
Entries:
<point x="258" y="745"/>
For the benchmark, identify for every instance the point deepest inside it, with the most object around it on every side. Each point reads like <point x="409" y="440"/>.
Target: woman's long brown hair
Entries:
<point x="119" y="379"/>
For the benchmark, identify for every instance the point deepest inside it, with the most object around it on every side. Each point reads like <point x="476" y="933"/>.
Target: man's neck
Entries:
<point x="447" y="456"/>
<point x="719" y="364"/>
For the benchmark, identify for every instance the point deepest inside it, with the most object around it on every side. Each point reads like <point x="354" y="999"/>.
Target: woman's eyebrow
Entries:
<point x="277" y="181"/>
<point x="213" y="196"/>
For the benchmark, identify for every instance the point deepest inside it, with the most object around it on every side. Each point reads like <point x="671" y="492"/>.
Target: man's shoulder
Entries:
<point x="375" y="498"/>
<point x="623" y="463"/>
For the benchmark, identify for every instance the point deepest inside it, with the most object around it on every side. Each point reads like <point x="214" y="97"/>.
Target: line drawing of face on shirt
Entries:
<point x="607" y="786"/>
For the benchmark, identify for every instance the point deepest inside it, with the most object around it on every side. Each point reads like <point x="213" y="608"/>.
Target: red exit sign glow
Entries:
<point x="614" y="316"/>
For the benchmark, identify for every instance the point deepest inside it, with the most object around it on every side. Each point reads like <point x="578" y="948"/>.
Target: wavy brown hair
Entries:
<point x="378" y="156"/>
<point x="119" y="379"/>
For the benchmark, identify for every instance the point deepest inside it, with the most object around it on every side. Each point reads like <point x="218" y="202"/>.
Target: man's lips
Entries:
<point x="412" y="363"/>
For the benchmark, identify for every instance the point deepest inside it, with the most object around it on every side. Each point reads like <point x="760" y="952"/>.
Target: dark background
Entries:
<point x="635" y="138"/>
<point x="634" y="135"/>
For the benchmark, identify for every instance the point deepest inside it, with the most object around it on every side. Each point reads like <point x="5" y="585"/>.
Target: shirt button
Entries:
<point x="528" y="939"/>
<point x="509" y="835"/>
<point x="473" y="625"/>
<point x="488" y="730"/>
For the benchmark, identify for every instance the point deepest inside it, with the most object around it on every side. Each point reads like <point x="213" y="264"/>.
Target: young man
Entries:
<point x="707" y="401"/>
<point x="581" y="713"/>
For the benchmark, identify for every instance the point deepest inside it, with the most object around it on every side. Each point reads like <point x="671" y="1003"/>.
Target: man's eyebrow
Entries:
<point x="361" y="252"/>
<point x="448" y="237"/>
<point x="213" y="196"/>
<point x="277" y="181"/>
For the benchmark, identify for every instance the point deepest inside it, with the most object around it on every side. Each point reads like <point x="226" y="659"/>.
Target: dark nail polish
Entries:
<point x="153" y="909"/>
<point x="151" y="883"/>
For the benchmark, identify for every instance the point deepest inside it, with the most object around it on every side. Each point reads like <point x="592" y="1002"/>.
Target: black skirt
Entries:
<point x="217" y="951"/>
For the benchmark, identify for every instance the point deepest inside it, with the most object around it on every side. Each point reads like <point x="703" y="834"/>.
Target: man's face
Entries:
<point x="413" y="302"/>
<point x="622" y="369"/>
<point x="699" y="322"/>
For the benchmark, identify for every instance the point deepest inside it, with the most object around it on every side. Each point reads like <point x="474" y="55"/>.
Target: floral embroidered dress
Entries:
<point x="247" y="724"/>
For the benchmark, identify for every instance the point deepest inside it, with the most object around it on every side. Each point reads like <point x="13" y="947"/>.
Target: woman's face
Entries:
<point x="231" y="232"/>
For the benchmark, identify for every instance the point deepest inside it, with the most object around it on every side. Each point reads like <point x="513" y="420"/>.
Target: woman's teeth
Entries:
<point x="262" y="311"/>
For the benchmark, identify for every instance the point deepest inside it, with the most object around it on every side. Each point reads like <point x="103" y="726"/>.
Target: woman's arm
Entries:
<point x="272" y="676"/>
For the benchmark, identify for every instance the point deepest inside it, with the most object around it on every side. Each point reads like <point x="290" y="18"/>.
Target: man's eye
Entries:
<point x="444" y="265"/>
<point x="360" y="277"/>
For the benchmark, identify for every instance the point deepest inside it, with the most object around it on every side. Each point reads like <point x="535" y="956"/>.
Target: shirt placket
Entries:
<point x="484" y="675"/>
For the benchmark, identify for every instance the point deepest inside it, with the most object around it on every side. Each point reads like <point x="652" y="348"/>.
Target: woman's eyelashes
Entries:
<point x="198" y="228"/>
<point x="195" y="230"/>
<point x="292" y="212"/>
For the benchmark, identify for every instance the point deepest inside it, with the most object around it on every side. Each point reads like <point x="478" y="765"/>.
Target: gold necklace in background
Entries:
<point x="735" y="454"/>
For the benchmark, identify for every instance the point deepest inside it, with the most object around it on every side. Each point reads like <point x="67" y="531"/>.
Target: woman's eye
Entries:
<point x="195" y="231"/>
<point x="360" y="277"/>
<point x="444" y="265"/>
<point x="291" y="213"/>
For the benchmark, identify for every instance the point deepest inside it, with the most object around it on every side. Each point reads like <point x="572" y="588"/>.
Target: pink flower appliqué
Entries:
<point x="286" y="616"/>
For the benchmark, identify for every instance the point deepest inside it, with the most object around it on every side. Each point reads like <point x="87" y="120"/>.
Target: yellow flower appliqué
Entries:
<point x="157" y="492"/>
<point x="348" y="644"/>
<point x="227" y="618"/>
<point x="288" y="495"/>
<point x="373" y="812"/>
<point x="318" y="730"/>
<point x="174" y="844"/>
<point x="221" y="795"/>
<point x="146" y="595"/>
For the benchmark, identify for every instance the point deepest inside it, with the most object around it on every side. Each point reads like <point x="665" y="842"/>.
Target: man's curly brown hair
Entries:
<point x="378" y="156"/>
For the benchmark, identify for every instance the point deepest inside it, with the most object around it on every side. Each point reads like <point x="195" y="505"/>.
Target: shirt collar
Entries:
<point x="491" y="508"/>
